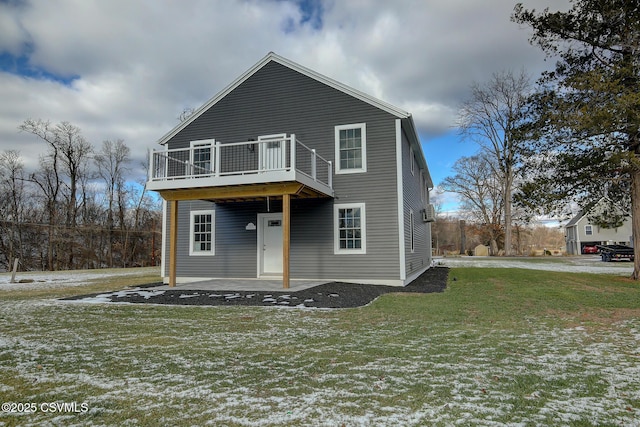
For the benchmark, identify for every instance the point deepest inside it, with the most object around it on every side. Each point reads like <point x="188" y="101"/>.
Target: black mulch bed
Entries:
<point x="329" y="295"/>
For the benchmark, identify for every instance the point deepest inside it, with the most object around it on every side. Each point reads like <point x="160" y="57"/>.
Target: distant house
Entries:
<point x="581" y="232"/>
<point x="289" y="174"/>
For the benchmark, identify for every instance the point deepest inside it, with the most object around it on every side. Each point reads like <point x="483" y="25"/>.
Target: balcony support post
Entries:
<point x="286" y="238"/>
<point x="173" y="241"/>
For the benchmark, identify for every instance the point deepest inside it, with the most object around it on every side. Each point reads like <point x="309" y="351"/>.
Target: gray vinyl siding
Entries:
<point x="312" y="247"/>
<point x="235" y="247"/>
<point x="420" y="258"/>
<point x="277" y="100"/>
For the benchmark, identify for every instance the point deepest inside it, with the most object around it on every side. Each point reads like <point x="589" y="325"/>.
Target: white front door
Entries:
<point x="270" y="244"/>
<point x="272" y="151"/>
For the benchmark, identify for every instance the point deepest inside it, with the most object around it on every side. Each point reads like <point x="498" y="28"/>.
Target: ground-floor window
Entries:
<point x="349" y="228"/>
<point x="202" y="233"/>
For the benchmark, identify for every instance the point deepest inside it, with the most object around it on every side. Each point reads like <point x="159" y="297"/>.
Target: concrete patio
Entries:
<point x="273" y="285"/>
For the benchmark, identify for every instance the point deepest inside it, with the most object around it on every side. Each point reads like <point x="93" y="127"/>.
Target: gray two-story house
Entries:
<point x="289" y="174"/>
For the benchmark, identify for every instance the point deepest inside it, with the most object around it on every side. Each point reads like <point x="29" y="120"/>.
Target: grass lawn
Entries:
<point x="498" y="347"/>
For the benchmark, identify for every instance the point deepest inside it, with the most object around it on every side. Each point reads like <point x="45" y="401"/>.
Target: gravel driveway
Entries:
<point x="577" y="264"/>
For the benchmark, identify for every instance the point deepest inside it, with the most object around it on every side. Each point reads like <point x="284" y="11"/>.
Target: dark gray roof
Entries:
<point x="575" y="219"/>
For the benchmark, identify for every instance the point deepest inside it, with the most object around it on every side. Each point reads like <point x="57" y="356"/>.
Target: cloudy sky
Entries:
<point x="125" y="69"/>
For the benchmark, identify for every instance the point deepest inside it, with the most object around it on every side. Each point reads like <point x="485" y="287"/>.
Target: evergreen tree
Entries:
<point x="586" y="114"/>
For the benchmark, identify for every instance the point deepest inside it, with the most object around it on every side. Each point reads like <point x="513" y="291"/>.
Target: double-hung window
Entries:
<point x="350" y="228"/>
<point x="351" y="148"/>
<point x="202" y="156"/>
<point x="588" y="230"/>
<point x="202" y="233"/>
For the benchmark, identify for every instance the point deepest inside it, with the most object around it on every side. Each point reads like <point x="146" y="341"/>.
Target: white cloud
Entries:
<point x="13" y="35"/>
<point x="139" y="63"/>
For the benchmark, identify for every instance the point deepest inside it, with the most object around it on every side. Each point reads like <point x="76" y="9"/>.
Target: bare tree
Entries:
<point x="480" y="192"/>
<point x="70" y="212"/>
<point x="186" y="113"/>
<point x="75" y="153"/>
<point x="47" y="180"/>
<point x="112" y="165"/>
<point x="490" y="118"/>
<point x="12" y="204"/>
<point x="68" y="157"/>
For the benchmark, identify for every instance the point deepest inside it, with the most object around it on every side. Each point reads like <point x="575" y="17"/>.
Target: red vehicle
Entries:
<point x="589" y="249"/>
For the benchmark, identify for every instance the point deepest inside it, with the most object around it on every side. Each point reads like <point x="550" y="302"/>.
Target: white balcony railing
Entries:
<point x="250" y="162"/>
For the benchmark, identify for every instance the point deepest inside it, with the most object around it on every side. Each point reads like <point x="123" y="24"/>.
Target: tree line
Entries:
<point x="77" y="209"/>
<point x="452" y="235"/>
<point x="571" y="139"/>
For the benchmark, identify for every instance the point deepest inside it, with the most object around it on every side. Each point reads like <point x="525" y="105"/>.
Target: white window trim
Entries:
<point x="363" y="135"/>
<point x="336" y="232"/>
<point x="213" y="233"/>
<point x="412" y="231"/>
<point x="202" y="142"/>
<point x="590" y="228"/>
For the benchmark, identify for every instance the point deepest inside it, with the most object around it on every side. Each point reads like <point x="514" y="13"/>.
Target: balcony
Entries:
<point x="273" y="160"/>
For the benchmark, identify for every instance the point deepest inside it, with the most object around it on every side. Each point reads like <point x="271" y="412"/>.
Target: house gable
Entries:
<point x="269" y="61"/>
<point x="273" y="58"/>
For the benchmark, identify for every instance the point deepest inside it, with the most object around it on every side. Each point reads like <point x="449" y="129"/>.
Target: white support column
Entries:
<point x="286" y="239"/>
<point x="173" y="241"/>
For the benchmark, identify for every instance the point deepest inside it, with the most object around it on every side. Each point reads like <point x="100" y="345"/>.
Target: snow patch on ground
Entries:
<point x="59" y="279"/>
<point x="439" y="377"/>
<point x="436" y="377"/>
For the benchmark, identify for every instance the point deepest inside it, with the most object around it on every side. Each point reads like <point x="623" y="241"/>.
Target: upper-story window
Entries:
<point x="351" y="148"/>
<point x="588" y="230"/>
<point x="202" y="157"/>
